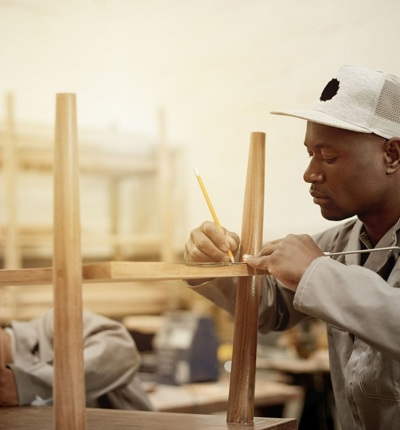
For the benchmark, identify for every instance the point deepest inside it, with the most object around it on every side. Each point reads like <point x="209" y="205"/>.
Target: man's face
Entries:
<point x="347" y="172"/>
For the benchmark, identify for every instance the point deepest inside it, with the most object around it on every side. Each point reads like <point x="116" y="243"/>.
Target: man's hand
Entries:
<point x="286" y="259"/>
<point x="210" y="243"/>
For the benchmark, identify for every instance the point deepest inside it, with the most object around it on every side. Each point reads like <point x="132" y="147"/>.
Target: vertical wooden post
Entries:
<point x="114" y="205"/>
<point x="165" y="191"/>
<point x="69" y="385"/>
<point x="12" y="251"/>
<point x="242" y="382"/>
<point x="166" y="207"/>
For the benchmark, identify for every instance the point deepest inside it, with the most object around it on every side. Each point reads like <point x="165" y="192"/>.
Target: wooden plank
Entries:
<point x="40" y="418"/>
<point x="124" y="271"/>
<point x="12" y="254"/>
<point x="35" y="276"/>
<point x="95" y="163"/>
<point x="114" y="300"/>
<point x="140" y="271"/>
<point x="242" y="383"/>
<point x="69" y="380"/>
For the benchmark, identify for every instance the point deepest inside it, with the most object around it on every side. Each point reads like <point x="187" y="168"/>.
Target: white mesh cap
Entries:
<point x="357" y="99"/>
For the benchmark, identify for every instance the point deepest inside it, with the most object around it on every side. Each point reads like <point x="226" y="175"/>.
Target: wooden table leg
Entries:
<point x="69" y="383"/>
<point x="242" y="382"/>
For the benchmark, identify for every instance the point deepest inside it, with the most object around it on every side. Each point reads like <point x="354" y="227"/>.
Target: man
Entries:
<point x="353" y="139"/>
<point x="111" y="362"/>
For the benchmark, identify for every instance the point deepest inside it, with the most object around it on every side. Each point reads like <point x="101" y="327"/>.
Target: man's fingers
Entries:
<point x="207" y="243"/>
<point x="256" y="261"/>
<point x="217" y="235"/>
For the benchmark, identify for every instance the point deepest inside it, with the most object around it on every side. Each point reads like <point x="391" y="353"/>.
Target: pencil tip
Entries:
<point x="196" y="172"/>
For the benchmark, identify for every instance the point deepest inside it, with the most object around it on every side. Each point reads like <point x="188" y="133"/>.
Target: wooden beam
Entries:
<point x="242" y="382"/>
<point x="124" y="271"/>
<point x="12" y="254"/>
<point x="69" y="380"/>
<point x="94" y="163"/>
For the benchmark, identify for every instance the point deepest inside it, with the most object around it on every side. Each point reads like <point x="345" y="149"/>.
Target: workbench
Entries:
<point x="41" y="418"/>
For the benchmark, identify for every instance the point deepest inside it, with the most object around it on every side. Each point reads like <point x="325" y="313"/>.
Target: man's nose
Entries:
<point x="312" y="174"/>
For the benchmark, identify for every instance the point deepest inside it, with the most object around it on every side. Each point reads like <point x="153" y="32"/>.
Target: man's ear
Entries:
<point x="392" y="155"/>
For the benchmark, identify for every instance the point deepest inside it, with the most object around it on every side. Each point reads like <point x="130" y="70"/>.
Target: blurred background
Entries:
<point x="217" y="68"/>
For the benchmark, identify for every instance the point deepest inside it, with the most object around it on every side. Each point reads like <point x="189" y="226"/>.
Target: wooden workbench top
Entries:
<point x="41" y="418"/>
<point x="211" y="397"/>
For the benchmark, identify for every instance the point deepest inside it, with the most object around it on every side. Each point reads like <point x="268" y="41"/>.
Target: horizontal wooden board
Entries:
<point x="123" y="271"/>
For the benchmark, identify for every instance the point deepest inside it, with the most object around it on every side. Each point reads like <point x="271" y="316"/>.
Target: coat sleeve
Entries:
<point x="110" y="355"/>
<point x="276" y="311"/>
<point x="354" y="299"/>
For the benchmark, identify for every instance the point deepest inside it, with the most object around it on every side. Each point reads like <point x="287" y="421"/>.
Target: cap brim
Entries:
<point x="321" y="118"/>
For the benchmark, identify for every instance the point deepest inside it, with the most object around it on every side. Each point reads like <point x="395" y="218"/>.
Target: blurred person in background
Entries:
<point x="111" y="362"/>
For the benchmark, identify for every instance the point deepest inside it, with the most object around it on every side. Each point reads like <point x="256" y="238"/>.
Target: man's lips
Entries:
<point x="318" y="197"/>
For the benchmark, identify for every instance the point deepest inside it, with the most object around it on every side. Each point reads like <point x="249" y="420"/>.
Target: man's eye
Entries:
<point x="329" y="160"/>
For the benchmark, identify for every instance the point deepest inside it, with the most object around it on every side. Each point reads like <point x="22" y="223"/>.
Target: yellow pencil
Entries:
<point x="210" y="206"/>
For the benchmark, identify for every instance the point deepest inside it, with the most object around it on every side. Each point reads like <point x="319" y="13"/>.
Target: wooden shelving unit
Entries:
<point x="120" y="172"/>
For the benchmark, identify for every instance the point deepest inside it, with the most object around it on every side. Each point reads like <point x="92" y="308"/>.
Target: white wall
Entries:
<point x="217" y="66"/>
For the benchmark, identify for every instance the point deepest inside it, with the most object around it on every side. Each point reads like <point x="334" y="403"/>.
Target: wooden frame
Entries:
<point x="67" y="273"/>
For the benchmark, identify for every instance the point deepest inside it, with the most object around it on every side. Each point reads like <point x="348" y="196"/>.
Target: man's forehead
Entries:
<point x="325" y="132"/>
<point x="322" y="137"/>
<point x="319" y="145"/>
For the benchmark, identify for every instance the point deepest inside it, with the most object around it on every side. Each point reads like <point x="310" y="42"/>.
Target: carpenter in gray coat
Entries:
<point x="353" y="142"/>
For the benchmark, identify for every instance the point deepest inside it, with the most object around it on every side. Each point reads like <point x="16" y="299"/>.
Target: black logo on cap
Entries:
<point x="330" y="90"/>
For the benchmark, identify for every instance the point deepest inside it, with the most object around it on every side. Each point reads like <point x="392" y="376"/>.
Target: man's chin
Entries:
<point x="332" y="216"/>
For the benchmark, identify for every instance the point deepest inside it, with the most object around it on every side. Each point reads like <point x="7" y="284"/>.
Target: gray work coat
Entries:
<point x="111" y="362"/>
<point x="362" y="312"/>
